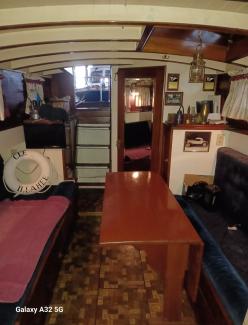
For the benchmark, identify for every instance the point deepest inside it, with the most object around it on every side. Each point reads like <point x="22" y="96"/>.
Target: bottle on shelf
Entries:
<point x="188" y="117"/>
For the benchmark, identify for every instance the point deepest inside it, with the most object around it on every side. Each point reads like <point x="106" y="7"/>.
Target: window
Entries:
<point x="92" y="85"/>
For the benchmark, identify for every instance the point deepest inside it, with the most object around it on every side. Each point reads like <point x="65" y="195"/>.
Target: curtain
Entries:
<point x="236" y="104"/>
<point x="143" y="97"/>
<point x="137" y="97"/>
<point x="34" y="86"/>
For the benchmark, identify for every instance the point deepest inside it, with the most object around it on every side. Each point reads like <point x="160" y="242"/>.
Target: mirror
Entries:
<point x="139" y="100"/>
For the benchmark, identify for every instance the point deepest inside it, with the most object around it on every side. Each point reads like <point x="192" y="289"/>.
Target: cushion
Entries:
<point x="231" y="175"/>
<point x="231" y="289"/>
<point x="137" y="134"/>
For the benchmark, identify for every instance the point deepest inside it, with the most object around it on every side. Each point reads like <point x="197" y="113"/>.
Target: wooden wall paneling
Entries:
<point x="208" y="307"/>
<point x="121" y="119"/>
<point x="47" y="88"/>
<point x="157" y="74"/>
<point x="166" y="154"/>
<point x="62" y="84"/>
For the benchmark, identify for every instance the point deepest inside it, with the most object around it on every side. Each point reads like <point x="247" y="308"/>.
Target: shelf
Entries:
<point x="196" y="126"/>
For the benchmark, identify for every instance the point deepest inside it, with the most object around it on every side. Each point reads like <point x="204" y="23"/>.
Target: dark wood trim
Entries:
<point x="157" y="73"/>
<point x="145" y="37"/>
<point x="166" y="154"/>
<point x="91" y="184"/>
<point x="64" y="164"/>
<point x="208" y="307"/>
<point x="240" y="131"/>
<point x="121" y="118"/>
<point x="71" y="23"/>
<point x="6" y="125"/>
<point x="198" y="126"/>
<point x="237" y="50"/>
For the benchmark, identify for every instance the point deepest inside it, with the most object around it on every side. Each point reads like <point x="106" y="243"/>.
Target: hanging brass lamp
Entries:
<point x="197" y="66"/>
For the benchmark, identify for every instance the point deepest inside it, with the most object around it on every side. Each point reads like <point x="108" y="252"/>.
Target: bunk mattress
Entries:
<point x="25" y="229"/>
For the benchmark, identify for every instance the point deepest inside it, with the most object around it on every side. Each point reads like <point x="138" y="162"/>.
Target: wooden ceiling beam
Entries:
<point x="145" y="37"/>
<point x="237" y="50"/>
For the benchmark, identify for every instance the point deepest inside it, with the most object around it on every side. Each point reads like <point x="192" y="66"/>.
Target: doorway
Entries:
<point x="147" y="124"/>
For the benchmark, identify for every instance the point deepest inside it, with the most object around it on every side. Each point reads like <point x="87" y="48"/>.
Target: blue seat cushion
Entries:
<point x="231" y="288"/>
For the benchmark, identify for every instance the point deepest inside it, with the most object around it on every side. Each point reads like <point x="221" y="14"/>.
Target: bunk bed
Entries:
<point x="35" y="231"/>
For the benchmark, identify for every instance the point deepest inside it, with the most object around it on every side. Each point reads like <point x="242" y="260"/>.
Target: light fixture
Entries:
<point x="197" y="66"/>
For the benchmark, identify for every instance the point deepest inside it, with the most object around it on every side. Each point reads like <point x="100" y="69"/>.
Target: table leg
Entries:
<point x="175" y="267"/>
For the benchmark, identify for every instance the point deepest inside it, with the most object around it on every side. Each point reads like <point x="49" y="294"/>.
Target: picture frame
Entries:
<point x="173" y="98"/>
<point x="209" y="82"/>
<point x="196" y="141"/>
<point x="173" y="81"/>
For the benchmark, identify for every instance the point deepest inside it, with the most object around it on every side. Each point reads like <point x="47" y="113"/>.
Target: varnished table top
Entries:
<point x="140" y="208"/>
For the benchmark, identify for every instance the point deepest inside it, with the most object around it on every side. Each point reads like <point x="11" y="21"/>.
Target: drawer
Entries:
<point x="93" y="136"/>
<point x="92" y="155"/>
<point x="91" y="174"/>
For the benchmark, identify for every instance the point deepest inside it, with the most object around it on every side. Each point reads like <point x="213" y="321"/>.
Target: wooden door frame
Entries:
<point x="156" y="73"/>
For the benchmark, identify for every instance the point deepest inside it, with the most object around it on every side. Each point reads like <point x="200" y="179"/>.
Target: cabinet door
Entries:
<point x="94" y="136"/>
<point x="92" y="155"/>
<point x="91" y="174"/>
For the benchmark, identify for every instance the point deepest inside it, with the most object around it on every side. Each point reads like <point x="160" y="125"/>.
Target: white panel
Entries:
<point x="214" y="13"/>
<point x="200" y="163"/>
<point x="72" y="33"/>
<point x="243" y="61"/>
<point x="100" y="136"/>
<point x="11" y="140"/>
<point x="25" y="51"/>
<point x="91" y="174"/>
<point x="82" y="56"/>
<point x="237" y="141"/>
<point x="220" y="66"/>
<point x="92" y="155"/>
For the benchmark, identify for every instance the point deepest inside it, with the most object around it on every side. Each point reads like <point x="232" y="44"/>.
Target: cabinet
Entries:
<point x="92" y="154"/>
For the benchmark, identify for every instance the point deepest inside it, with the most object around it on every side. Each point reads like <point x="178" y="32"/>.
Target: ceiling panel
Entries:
<point x="219" y="45"/>
<point x="69" y="33"/>
<point x="65" y="47"/>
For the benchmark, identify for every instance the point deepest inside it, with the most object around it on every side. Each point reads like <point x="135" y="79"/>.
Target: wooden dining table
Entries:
<point x="139" y="209"/>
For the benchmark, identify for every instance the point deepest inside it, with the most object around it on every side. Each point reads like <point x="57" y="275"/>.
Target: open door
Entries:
<point x="157" y="75"/>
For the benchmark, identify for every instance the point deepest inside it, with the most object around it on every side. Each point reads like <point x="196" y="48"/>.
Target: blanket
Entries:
<point x="25" y="227"/>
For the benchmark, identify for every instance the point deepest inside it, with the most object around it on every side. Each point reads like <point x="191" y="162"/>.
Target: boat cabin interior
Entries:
<point x="123" y="162"/>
